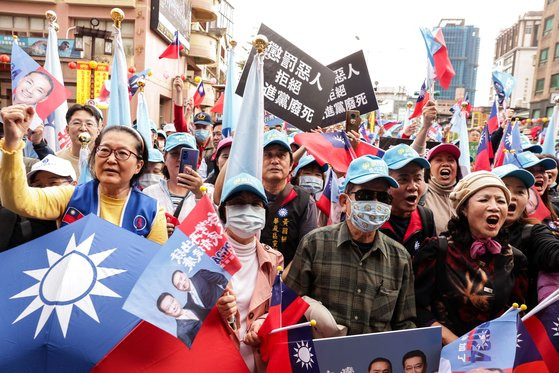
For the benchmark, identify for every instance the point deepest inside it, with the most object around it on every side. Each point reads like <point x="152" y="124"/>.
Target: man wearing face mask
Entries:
<point x="409" y="223"/>
<point x="363" y="277"/>
<point x="309" y="175"/>
<point x="203" y="134"/>
<point x="244" y="305"/>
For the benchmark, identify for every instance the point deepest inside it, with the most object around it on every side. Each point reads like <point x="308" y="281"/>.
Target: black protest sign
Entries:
<point x="386" y="143"/>
<point x="352" y="89"/>
<point x="296" y="86"/>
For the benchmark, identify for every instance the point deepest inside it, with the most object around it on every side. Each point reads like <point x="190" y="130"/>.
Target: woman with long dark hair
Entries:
<point x="116" y="163"/>
<point x="472" y="274"/>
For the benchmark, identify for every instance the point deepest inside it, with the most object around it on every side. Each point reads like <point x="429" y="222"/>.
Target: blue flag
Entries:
<point x="513" y="145"/>
<point x="231" y="100"/>
<point x="551" y="134"/>
<point x="503" y="84"/>
<point x="143" y="124"/>
<point x="119" y="103"/>
<point x="62" y="294"/>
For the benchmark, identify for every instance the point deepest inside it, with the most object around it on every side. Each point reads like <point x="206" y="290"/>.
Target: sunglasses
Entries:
<point x="372" y="195"/>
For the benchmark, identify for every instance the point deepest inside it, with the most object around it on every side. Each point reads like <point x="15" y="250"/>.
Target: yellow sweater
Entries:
<point x="50" y="203"/>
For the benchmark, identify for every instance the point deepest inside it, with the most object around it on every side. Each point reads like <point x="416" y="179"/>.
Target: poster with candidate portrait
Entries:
<point x="33" y="85"/>
<point x="411" y="350"/>
<point x="186" y="277"/>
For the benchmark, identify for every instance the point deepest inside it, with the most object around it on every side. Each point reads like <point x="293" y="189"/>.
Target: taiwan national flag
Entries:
<point x="62" y="294"/>
<point x="199" y="94"/>
<point x="364" y="148"/>
<point x="544" y="329"/>
<point x="328" y="201"/>
<point x="421" y="101"/>
<point x="173" y="49"/>
<point x="504" y="147"/>
<point x="493" y="120"/>
<point x="528" y="359"/>
<point x="294" y="352"/>
<point x="484" y="152"/>
<point x="438" y="56"/>
<point x="329" y="147"/>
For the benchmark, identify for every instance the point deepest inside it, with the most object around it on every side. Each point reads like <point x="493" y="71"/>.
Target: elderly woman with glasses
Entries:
<point x="116" y="163"/>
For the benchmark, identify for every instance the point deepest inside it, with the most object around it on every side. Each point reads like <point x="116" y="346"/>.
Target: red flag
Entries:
<point x="199" y="94"/>
<point x="493" y="120"/>
<point x="527" y="359"/>
<point x="150" y="349"/>
<point x="421" y="101"/>
<point x="504" y="147"/>
<point x="443" y="66"/>
<point x="544" y="329"/>
<point x="364" y="148"/>
<point x="329" y="147"/>
<point x="536" y="208"/>
<point x="484" y="152"/>
<point x="218" y="107"/>
<point x="173" y="49"/>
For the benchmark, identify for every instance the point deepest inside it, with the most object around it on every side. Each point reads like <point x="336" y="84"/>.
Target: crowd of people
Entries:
<point x="418" y="244"/>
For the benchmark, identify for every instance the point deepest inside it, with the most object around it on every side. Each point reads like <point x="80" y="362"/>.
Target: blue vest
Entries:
<point x="139" y="209"/>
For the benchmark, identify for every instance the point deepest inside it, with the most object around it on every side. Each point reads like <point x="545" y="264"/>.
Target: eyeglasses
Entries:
<point x="120" y="154"/>
<point x="78" y="123"/>
<point x="372" y="195"/>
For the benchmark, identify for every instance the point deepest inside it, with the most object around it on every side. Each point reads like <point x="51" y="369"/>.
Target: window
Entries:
<point x="536" y="113"/>
<point x="554" y="82"/>
<point x="556" y="54"/>
<point x="23" y="26"/>
<point x="548" y="25"/>
<point x="539" y="85"/>
<point x="126" y="30"/>
<point x="543" y="55"/>
<point x="549" y="112"/>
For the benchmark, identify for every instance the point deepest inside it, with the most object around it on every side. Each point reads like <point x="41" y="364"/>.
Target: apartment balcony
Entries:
<point x="203" y="48"/>
<point x="203" y="11"/>
<point x="107" y="3"/>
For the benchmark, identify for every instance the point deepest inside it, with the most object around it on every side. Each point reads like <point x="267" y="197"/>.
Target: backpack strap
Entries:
<point x="427" y="221"/>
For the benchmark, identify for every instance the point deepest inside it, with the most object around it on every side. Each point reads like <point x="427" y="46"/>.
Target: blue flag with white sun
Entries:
<point x="61" y="296"/>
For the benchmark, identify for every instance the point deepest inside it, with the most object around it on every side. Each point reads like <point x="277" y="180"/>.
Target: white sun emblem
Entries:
<point x="68" y="281"/>
<point x="338" y="138"/>
<point x="556" y="329"/>
<point x="304" y="354"/>
<point x="518" y="340"/>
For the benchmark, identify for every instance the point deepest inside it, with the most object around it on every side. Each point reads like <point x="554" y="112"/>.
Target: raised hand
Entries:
<point x="17" y="119"/>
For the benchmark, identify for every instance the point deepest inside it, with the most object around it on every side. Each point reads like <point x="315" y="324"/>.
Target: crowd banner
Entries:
<point x="296" y="86"/>
<point x="352" y="89"/>
<point x="356" y="353"/>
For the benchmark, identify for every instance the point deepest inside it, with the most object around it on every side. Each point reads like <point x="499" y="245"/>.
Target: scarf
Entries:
<point x="481" y="246"/>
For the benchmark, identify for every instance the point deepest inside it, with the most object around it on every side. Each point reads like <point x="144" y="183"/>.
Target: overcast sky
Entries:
<point x="388" y="31"/>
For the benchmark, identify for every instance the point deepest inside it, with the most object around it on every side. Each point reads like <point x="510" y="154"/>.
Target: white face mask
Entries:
<point x="245" y="220"/>
<point x="149" y="179"/>
<point x="369" y="216"/>
<point x="312" y="184"/>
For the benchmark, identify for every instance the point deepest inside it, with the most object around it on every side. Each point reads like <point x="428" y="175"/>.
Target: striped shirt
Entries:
<point x="368" y="291"/>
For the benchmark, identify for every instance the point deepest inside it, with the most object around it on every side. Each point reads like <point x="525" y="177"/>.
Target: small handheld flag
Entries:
<point x="421" y="101"/>
<point x="199" y="94"/>
<point x="173" y="50"/>
<point x="438" y="56"/>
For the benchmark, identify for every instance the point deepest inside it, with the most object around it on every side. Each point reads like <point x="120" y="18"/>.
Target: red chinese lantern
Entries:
<point x="4" y="58"/>
<point x="183" y="78"/>
<point x="72" y="65"/>
<point x="523" y="121"/>
<point x="131" y="69"/>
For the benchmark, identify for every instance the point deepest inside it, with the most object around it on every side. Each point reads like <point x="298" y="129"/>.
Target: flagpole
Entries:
<point x="280" y="271"/>
<point x="178" y="55"/>
<point x="296" y="326"/>
<point x="543" y="304"/>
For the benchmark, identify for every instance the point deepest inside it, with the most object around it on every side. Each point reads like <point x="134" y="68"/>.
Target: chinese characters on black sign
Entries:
<point x="352" y="89"/>
<point x="296" y="86"/>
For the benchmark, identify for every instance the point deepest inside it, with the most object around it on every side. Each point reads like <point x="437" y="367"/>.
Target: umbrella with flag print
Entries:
<point x="62" y="295"/>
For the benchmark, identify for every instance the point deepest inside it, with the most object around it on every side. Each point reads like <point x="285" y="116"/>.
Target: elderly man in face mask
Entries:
<point x="363" y="277"/>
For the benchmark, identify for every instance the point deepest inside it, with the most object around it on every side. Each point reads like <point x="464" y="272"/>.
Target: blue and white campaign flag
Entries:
<point x="119" y="104"/>
<point x="143" y="124"/>
<point x="62" y="294"/>
<point x="55" y="125"/>
<point x="551" y="133"/>
<point x="231" y="101"/>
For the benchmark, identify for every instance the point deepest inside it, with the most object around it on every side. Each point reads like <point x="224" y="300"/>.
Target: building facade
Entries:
<point x="462" y="43"/>
<point x="515" y="53"/>
<point x="546" y="73"/>
<point x="148" y="28"/>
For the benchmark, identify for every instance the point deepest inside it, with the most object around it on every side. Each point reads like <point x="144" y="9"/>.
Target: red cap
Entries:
<point x="222" y="144"/>
<point x="444" y="148"/>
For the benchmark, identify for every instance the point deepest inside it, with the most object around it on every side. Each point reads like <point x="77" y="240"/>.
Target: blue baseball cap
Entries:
<point x="276" y="137"/>
<point x="513" y="171"/>
<point x="180" y="139"/>
<point x="367" y="168"/>
<point x="155" y="156"/>
<point x="307" y="160"/>
<point x="204" y="119"/>
<point x="243" y="182"/>
<point x="528" y="146"/>
<point x="162" y="133"/>
<point x="529" y="159"/>
<point x="402" y="154"/>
